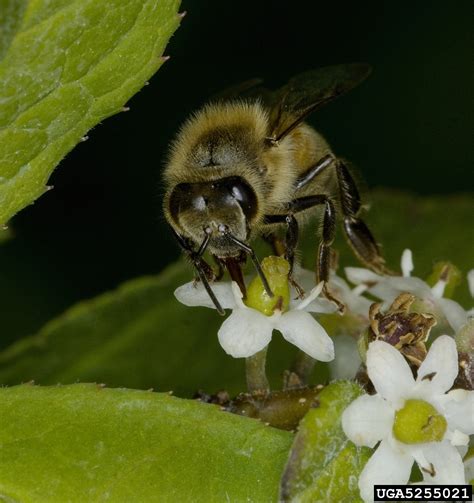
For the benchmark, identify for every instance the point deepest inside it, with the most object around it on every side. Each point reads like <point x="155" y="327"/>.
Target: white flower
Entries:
<point x="388" y="288"/>
<point x="352" y="298"/>
<point x="372" y="418"/>
<point x="247" y="331"/>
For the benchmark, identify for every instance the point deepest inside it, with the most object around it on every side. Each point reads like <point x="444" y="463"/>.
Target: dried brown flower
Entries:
<point x="399" y="327"/>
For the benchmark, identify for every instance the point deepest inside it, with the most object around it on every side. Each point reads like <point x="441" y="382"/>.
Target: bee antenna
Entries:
<point x="248" y="249"/>
<point x="202" y="274"/>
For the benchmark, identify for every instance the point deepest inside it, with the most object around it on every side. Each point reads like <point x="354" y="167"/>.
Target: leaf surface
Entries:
<point x="324" y="465"/>
<point x="66" y="66"/>
<point x="86" y="443"/>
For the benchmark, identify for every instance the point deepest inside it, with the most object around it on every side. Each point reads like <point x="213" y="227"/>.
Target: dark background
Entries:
<point x="407" y="127"/>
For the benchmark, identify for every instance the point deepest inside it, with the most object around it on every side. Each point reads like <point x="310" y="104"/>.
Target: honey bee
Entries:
<point x="246" y="164"/>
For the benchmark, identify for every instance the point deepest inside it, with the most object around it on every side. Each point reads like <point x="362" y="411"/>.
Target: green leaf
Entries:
<point x="86" y="443"/>
<point x="11" y="14"/>
<point x="324" y="465"/>
<point x="67" y="65"/>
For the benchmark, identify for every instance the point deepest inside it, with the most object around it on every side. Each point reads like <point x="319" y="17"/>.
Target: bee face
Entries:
<point x="225" y="205"/>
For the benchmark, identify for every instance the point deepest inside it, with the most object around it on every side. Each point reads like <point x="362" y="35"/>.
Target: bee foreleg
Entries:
<point x="203" y="269"/>
<point x="358" y="234"/>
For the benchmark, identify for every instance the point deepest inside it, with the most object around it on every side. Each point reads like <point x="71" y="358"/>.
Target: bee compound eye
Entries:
<point x="179" y="199"/>
<point x="243" y="194"/>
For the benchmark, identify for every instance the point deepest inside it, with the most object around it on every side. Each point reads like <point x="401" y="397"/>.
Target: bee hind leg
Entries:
<point x="358" y="235"/>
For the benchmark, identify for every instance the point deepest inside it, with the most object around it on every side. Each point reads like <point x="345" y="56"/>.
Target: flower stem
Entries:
<point x="255" y="370"/>
<point x="303" y="367"/>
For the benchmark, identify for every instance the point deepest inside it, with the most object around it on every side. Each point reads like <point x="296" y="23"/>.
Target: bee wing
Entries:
<point x="308" y="91"/>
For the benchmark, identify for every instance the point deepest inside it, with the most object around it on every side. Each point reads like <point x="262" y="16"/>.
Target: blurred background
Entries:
<point x="408" y="127"/>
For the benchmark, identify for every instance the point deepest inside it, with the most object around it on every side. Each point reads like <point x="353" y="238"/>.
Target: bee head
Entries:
<point x="215" y="207"/>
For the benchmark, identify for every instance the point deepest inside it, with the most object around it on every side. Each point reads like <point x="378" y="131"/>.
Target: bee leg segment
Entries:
<point x="323" y="268"/>
<point x="314" y="171"/>
<point x="323" y="264"/>
<point x="291" y="241"/>
<point x="249" y="250"/>
<point x="203" y="269"/>
<point x="358" y="234"/>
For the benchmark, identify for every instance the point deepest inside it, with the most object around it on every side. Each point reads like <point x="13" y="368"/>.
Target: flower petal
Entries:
<point x="470" y="282"/>
<point x="391" y="286"/>
<point x="454" y="313"/>
<point x="194" y="294"/>
<point x="367" y="420"/>
<point x="348" y="361"/>
<point x="351" y="298"/>
<point x="245" y="332"/>
<point x="388" y="287"/>
<point x="407" y="263"/>
<point x="312" y="303"/>
<point x="438" y="288"/>
<point x="389" y="372"/>
<point x="358" y="275"/>
<point x="386" y="466"/>
<point x="316" y="306"/>
<point x="302" y="330"/>
<point x="440" y="367"/>
<point x="445" y="461"/>
<point x="459" y="410"/>
<point x="313" y="294"/>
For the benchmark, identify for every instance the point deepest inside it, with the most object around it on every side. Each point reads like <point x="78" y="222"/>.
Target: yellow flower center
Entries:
<point x="418" y="422"/>
<point x="276" y="270"/>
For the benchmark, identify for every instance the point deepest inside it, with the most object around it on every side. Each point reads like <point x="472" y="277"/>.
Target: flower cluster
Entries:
<point x="408" y="419"/>
<point x="387" y="288"/>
